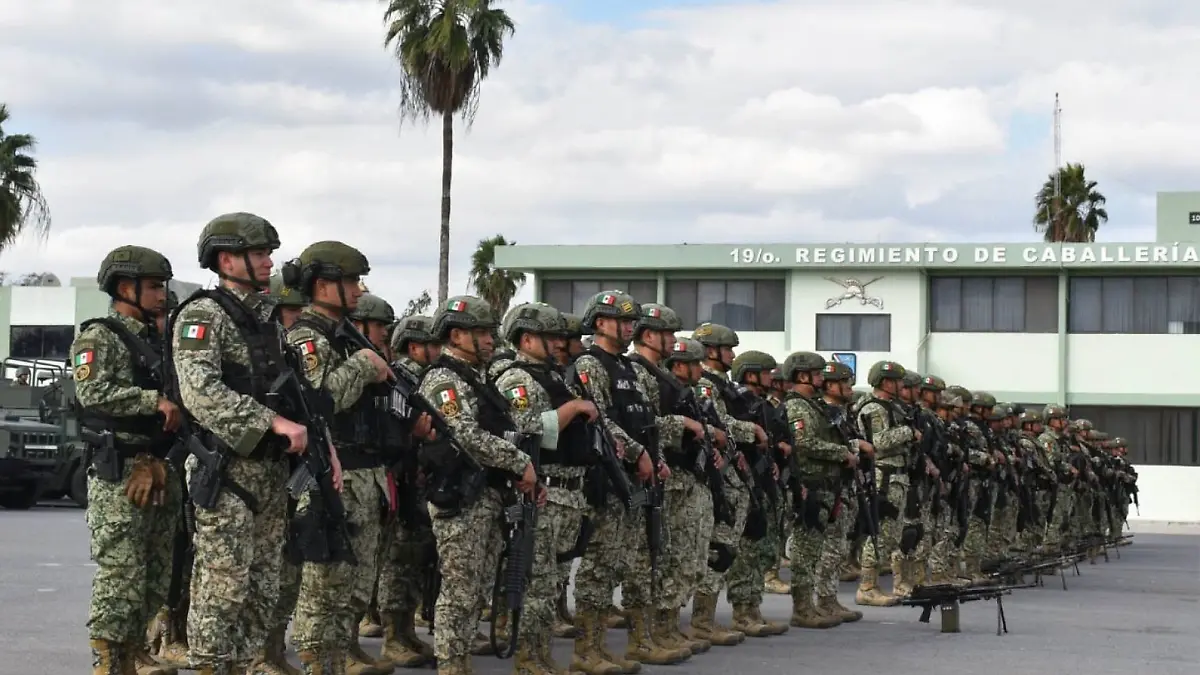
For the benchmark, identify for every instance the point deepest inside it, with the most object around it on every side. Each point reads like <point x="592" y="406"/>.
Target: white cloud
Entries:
<point x="798" y="120"/>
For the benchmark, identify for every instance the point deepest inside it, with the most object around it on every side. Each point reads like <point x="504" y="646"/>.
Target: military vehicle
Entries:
<point x="40" y="452"/>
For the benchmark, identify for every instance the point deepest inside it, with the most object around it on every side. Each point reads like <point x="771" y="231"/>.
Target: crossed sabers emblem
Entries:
<point x="854" y="289"/>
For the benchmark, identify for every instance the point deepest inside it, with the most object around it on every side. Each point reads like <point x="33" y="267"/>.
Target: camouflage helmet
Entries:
<point x="982" y="399"/>
<point x="285" y="296"/>
<point x="572" y="326"/>
<point x="715" y="335"/>
<point x="1031" y="417"/>
<point x="996" y="413"/>
<point x="330" y="260"/>
<point x="614" y="304"/>
<point x="657" y="317"/>
<point x="1119" y="442"/>
<point x="800" y="362"/>
<point x="836" y="371"/>
<point x="1053" y="411"/>
<point x="911" y="379"/>
<point x="885" y="370"/>
<point x="236" y="233"/>
<point x="962" y="392"/>
<point x="751" y="362"/>
<point x="1084" y="424"/>
<point x="531" y="317"/>
<point x="685" y="350"/>
<point x="24" y="370"/>
<point x="932" y="383"/>
<point x="131" y="262"/>
<point x="373" y="308"/>
<point x="414" y="328"/>
<point x="1099" y="436"/>
<point x="462" y="311"/>
<point x="948" y="398"/>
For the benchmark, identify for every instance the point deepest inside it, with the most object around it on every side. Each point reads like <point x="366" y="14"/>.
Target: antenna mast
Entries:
<point x="1057" y="147"/>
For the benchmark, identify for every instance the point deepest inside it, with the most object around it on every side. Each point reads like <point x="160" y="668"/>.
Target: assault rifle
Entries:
<point x="605" y="448"/>
<point x="516" y="563"/>
<point x="706" y="465"/>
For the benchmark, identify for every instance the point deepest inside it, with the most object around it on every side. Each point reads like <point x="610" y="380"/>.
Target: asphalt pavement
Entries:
<point x="1138" y="614"/>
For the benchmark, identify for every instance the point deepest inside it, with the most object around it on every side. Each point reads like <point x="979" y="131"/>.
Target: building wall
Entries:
<point x="1092" y="361"/>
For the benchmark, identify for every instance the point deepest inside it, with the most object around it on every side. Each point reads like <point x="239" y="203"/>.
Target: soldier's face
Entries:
<point x="683" y="371"/>
<point x="288" y="315"/>
<point x="574" y="347"/>
<point x="376" y="332"/>
<point x="695" y="370"/>
<point x="260" y="264"/>
<point x="485" y="342"/>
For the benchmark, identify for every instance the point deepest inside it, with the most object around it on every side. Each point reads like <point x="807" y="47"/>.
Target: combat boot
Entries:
<point x="615" y="618"/>
<point x="705" y="626"/>
<point x="975" y="571"/>
<point x="481" y="645"/>
<point x="459" y="666"/>
<point x="214" y="669"/>
<point x="830" y="606"/>
<point x="275" y="656"/>
<point x="419" y="616"/>
<point x="641" y="646"/>
<point x="175" y="654"/>
<point x="367" y="627"/>
<point x="141" y="663"/>
<point x="849" y="572"/>
<point x="587" y="657"/>
<point x="396" y="644"/>
<point x="564" y="623"/>
<point x="664" y="630"/>
<point x="870" y="594"/>
<point x="106" y="657"/>
<point x="527" y="661"/>
<point x="313" y="662"/>
<point x="694" y="644"/>
<point x="804" y="611"/>
<point x="901" y="577"/>
<point x="358" y="662"/>
<point x="744" y="622"/>
<point x="920" y="572"/>
<point x="773" y="627"/>
<point x="774" y="585"/>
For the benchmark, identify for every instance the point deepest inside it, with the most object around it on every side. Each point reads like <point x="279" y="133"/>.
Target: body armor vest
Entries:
<point x="670" y="392"/>
<point x="147" y="374"/>
<point x="629" y="408"/>
<point x="491" y="413"/>
<point x="574" y="440"/>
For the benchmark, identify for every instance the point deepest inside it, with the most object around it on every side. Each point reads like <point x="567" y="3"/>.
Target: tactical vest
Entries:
<point x="668" y="404"/>
<point x="810" y="467"/>
<point x="629" y="408"/>
<point x="491" y="413"/>
<point x="360" y="431"/>
<point x="147" y="374"/>
<point x="264" y="342"/>
<point x="574" y="441"/>
<point x="728" y="391"/>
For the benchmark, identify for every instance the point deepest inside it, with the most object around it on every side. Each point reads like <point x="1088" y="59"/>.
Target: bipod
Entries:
<point x="948" y="599"/>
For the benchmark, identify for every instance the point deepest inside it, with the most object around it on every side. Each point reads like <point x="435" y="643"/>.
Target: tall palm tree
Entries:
<point x="1069" y="208"/>
<point x="446" y="48"/>
<point x="497" y="286"/>
<point x="22" y="205"/>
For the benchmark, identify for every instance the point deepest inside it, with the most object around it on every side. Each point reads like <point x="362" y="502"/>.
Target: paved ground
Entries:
<point x="1140" y="614"/>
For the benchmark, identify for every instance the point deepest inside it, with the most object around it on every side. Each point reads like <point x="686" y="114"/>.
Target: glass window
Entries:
<point x="993" y="304"/>
<point x="741" y="305"/>
<point x="573" y="295"/>
<point x="41" y="342"/>
<point x="1134" y="305"/>
<point x="1156" y="435"/>
<point x="854" y="332"/>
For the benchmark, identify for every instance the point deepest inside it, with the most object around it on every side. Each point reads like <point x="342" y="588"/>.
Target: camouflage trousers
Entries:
<point x="812" y="527"/>
<point x="727" y="535"/>
<point x="334" y="596"/>
<point x="468" y="546"/>
<point x="289" y="585"/>
<point x="557" y="531"/>
<point x="1002" y="530"/>
<point x="889" y="528"/>
<point x="235" y="574"/>
<point x="975" y="546"/>
<point x="689" y="522"/>
<point x="1084" y="524"/>
<point x="407" y="554"/>
<point x="836" y="547"/>
<point x="928" y="532"/>
<point x="1058" y="528"/>
<point x="943" y="554"/>
<point x="607" y="558"/>
<point x="132" y="549"/>
<point x="748" y="574"/>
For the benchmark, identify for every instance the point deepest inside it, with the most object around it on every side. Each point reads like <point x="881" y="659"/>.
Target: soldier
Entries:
<point x="997" y="534"/>
<point x="224" y="369"/>
<point x="549" y="413"/>
<point x="288" y="302"/>
<point x="772" y="583"/>
<point x="334" y="595"/>
<point x="618" y="550"/>
<point x="23" y="375"/>
<point x="982" y="461"/>
<point x="716" y="388"/>
<point x="947" y="529"/>
<point x="759" y="546"/>
<point x="816" y="464"/>
<point x="134" y="496"/>
<point x="1039" y="476"/>
<point x="891" y="439"/>
<point x="465" y="491"/>
<point x="564" y="622"/>
<point x="928" y="390"/>
<point x="654" y="340"/>
<point x="410" y="553"/>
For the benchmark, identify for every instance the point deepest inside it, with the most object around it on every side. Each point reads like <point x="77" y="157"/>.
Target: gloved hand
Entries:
<point x="140" y="485"/>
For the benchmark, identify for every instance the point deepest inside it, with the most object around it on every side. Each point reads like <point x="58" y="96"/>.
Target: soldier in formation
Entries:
<point x="345" y="468"/>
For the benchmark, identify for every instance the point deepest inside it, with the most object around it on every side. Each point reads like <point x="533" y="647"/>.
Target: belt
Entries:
<point x="575" y="483"/>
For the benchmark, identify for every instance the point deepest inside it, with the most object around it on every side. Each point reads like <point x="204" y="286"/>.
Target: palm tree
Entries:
<point x="1069" y="208"/>
<point x="22" y="204"/>
<point x="446" y="48"/>
<point x="496" y="286"/>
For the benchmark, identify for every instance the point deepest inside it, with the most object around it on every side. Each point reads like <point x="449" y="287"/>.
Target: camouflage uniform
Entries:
<point x="408" y="546"/>
<point x="915" y="571"/>
<point x="891" y="442"/>
<point x="537" y="392"/>
<point x="235" y="575"/>
<point x="467" y="532"/>
<point x="983" y="488"/>
<point x="945" y="551"/>
<point x="131" y="543"/>
<point x="334" y="595"/>
<point x="1003" y="525"/>
<point x="1039" y="476"/>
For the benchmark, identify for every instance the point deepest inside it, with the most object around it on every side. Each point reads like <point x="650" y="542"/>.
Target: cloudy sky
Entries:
<point x="632" y="121"/>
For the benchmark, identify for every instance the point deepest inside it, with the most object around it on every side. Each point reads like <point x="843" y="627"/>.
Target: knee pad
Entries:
<point x="720" y="557"/>
<point x="910" y="537"/>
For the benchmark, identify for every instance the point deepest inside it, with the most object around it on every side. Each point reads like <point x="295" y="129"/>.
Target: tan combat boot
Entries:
<point x="106" y="657"/>
<point x="641" y="646"/>
<point x="564" y="623"/>
<point x="141" y="663"/>
<point x="459" y="666"/>
<point x="527" y="661"/>
<point x="419" y="616"/>
<point x="615" y="618"/>
<point x="274" y="656"/>
<point x="870" y="594"/>
<point x="587" y="657"/>
<point x="804" y="610"/>
<point x="849" y="572"/>
<point x="314" y="663"/>
<point x="774" y="585"/>
<point x="214" y="669"/>
<point x="396" y="644"/>
<point x="694" y="644"/>
<point x="359" y="662"/>
<point x="745" y="623"/>
<point x="705" y="626"/>
<point x="368" y="627"/>
<point x="920" y="572"/>
<point x="773" y="627"/>
<point x="901" y="577"/>
<point x="830" y="606"/>
<point x="664" y="630"/>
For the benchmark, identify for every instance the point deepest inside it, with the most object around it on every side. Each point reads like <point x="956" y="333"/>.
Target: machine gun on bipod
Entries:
<point x="948" y="598"/>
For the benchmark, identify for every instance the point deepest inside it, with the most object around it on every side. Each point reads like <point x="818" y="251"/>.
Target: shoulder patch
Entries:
<point x="84" y="357"/>
<point x="518" y="397"/>
<point x="194" y="334"/>
<point x="446" y="400"/>
<point x="704" y="391"/>
<point x="583" y="377"/>
<point x="798" y="425"/>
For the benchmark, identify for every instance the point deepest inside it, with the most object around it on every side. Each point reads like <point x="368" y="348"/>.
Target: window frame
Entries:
<point x="14" y="340"/>
<point x="1029" y="316"/>
<point x="769" y="316"/>
<point x="1099" y="306"/>
<point x="856" y="320"/>
<point x="604" y="284"/>
<point x="1157" y="435"/>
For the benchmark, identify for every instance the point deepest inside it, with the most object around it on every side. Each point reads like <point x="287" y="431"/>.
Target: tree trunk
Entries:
<point x="447" y="170"/>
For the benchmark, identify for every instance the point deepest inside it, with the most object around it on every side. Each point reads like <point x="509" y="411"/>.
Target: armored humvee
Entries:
<point x="40" y="453"/>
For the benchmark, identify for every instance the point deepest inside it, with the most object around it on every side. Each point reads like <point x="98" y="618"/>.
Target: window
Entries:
<point x="993" y="304"/>
<point x="854" y="333"/>
<point x="741" y="305"/>
<point x="573" y="296"/>
<point x="41" y="342"/>
<point x="1156" y="435"/>
<point x="1137" y="305"/>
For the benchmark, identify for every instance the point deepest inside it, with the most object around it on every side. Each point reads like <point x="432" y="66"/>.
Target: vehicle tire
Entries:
<point x="79" y="490"/>
<point x="20" y="501"/>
